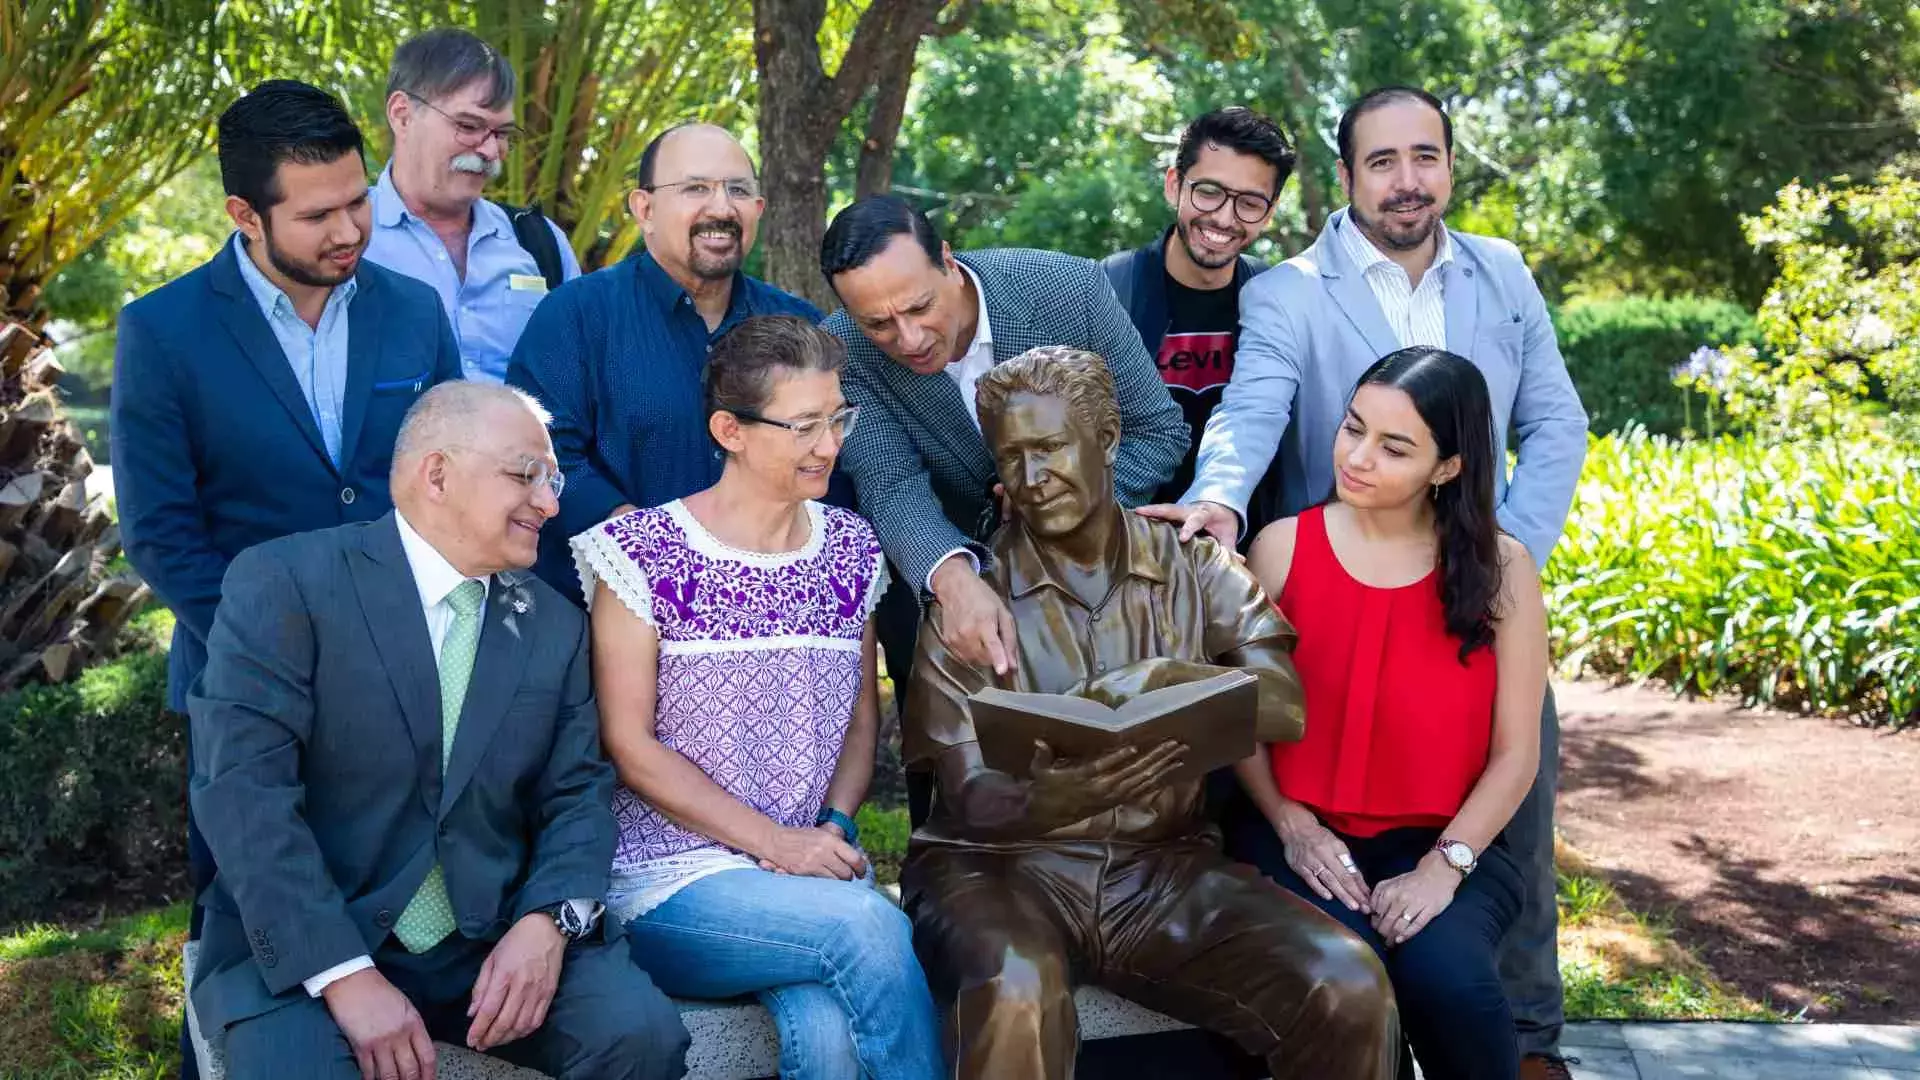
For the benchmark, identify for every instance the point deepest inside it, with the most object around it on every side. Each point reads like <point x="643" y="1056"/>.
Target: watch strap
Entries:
<point x="830" y="816"/>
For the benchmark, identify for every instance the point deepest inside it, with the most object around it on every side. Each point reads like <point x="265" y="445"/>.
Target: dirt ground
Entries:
<point x="1784" y="850"/>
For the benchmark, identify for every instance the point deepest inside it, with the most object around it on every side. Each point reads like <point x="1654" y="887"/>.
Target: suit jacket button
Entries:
<point x="384" y="920"/>
<point x="443" y="829"/>
<point x="347" y="496"/>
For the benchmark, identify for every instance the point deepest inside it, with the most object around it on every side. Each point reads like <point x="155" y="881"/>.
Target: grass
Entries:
<point x="99" y="1003"/>
<point x="1616" y="964"/>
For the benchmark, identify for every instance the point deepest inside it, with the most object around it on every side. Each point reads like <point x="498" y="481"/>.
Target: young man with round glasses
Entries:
<point x="450" y="108"/>
<point x="1183" y="290"/>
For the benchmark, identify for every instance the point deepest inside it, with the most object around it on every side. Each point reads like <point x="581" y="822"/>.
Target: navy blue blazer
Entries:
<point x="215" y="449"/>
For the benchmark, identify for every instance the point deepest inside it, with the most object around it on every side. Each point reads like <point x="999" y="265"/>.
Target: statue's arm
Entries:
<point x="1246" y="631"/>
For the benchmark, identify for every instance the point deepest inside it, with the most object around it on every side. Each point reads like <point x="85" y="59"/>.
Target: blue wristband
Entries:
<point x="830" y="816"/>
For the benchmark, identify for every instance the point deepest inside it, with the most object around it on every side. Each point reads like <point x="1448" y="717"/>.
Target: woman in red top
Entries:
<point x="1423" y="656"/>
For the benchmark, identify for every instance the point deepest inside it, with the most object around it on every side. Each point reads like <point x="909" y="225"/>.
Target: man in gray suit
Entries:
<point x="1386" y="273"/>
<point x="921" y="325"/>
<point x="397" y="765"/>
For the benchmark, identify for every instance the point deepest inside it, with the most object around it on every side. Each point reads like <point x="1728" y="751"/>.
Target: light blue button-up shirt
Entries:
<point x="318" y="355"/>
<point x="502" y="287"/>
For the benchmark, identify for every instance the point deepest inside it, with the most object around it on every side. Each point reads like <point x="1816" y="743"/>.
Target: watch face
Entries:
<point x="1458" y="854"/>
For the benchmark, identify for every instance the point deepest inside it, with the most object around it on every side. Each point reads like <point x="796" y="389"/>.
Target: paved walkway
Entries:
<point x="1681" y="1051"/>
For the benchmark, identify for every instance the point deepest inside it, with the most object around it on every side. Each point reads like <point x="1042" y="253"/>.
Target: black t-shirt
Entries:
<point x="1195" y="361"/>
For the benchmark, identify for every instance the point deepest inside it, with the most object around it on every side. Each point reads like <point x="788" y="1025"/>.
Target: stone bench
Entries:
<point x="732" y="1040"/>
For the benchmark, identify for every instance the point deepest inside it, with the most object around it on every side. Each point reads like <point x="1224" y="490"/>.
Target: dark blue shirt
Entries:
<point x="617" y="356"/>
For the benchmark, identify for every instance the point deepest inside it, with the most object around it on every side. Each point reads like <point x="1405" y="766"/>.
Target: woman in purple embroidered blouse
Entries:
<point x="734" y="662"/>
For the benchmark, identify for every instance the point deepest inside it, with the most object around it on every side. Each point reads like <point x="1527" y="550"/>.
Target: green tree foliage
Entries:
<point x="1638" y="133"/>
<point x="1037" y="128"/>
<point x="1841" y="322"/>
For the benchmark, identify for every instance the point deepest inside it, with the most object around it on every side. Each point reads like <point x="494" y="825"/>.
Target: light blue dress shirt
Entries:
<point x="318" y="355"/>
<point x="503" y="285"/>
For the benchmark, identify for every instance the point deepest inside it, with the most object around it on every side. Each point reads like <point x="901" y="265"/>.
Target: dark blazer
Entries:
<point x="921" y="471"/>
<point x="215" y="449"/>
<point x="317" y="778"/>
<point x="1139" y="279"/>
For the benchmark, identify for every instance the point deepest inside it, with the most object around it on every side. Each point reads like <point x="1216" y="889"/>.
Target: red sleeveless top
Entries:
<point x="1397" y="728"/>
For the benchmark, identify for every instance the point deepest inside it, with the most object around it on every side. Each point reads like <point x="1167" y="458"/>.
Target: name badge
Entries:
<point x="532" y="283"/>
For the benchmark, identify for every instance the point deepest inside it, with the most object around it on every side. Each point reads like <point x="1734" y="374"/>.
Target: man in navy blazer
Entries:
<point x="260" y="394"/>
<point x="1387" y="273"/>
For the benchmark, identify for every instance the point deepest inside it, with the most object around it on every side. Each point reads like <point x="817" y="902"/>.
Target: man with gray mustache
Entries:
<point x="450" y="108"/>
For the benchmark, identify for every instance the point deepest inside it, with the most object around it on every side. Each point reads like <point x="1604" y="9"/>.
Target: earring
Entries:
<point x="1436" y="491"/>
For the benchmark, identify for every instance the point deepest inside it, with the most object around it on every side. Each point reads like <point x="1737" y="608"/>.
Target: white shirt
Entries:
<point x="1416" y="315"/>
<point x="978" y="359"/>
<point x="966" y="372"/>
<point x="436" y="579"/>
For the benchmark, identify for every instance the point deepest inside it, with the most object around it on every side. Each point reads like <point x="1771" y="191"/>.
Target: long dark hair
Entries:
<point x="1450" y="394"/>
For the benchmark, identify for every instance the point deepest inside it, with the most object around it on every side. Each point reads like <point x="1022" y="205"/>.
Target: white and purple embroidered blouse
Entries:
<point x="759" y="667"/>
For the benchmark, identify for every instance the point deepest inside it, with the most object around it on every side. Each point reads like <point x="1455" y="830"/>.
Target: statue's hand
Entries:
<point x="1063" y="792"/>
<point x="1123" y="684"/>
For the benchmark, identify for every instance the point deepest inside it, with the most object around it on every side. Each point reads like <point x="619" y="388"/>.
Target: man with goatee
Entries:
<point x="450" y="108"/>
<point x="618" y="355"/>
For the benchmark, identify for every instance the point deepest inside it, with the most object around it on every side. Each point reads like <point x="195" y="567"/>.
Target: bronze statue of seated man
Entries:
<point x="1100" y="871"/>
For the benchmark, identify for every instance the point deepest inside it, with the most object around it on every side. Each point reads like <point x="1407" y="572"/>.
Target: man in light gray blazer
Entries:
<point x="397" y="766"/>
<point x="921" y="325"/>
<point x="1387" y="273"/>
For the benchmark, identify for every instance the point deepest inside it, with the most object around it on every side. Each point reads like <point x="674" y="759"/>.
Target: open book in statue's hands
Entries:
<point x="1212" y="716"/>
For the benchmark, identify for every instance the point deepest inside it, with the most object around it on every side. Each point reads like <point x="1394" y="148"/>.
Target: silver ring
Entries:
<point x="1407" y="918"/>
<point x="1346" y="861"/>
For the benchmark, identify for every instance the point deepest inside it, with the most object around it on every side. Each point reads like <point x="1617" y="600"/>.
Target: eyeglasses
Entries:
<point x="1249" y="206"/>
<point x="807" y="432"/>
<point x="525" y="471"/>
<point x="469" y="132"/>
<point x="700" y="188"/>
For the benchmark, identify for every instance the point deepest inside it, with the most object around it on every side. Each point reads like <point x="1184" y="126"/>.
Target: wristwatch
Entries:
<point x="1459" y="855"/>
<point x="830" y="816"/>
<point x="569" y="921"/>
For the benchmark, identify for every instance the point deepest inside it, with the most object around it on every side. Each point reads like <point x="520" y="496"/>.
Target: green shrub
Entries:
<point x="1622" y="355"/>
<point x="1789" y="573"/>
<point x="92" y="785"/>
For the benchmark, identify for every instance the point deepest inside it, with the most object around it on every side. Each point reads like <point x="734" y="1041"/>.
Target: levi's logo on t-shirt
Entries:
<point x="1197" y="362"/>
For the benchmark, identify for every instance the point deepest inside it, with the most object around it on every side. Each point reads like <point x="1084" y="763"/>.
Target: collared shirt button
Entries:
<point x="347" y="496"/>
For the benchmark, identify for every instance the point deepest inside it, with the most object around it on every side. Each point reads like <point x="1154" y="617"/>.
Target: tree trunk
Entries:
<point x="56" y="613"/>
<point x="801" y="110"/>
<point x="875" y="174"/>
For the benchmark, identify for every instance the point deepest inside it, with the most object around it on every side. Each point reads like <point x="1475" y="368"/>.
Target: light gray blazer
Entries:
<point x="1311" y="326"/>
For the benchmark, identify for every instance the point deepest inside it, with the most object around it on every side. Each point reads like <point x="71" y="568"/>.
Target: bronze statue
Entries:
<point x="1096" y="870"/>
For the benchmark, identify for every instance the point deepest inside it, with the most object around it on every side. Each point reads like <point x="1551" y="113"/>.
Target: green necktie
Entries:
<point x="429" y="915"/>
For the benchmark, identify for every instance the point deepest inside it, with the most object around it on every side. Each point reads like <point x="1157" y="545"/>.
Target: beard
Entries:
<point x="475" y="165"/>
<point x="705" y="264"/>
<point x="1206" y="260"/>
<point x="1396" y="236"/>
<point x="317" y="274"/>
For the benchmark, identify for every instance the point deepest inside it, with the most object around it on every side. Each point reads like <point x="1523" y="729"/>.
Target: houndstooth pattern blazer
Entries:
<point x="923" y="474"/>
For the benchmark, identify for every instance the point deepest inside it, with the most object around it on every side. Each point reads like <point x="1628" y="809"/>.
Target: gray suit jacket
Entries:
<point x="317" y="776"/>
<point x="1311" y="326"/>
<point x="923" y="474"/>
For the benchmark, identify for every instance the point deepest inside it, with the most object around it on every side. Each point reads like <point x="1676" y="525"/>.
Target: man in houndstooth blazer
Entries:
<point x="921" y="325"/>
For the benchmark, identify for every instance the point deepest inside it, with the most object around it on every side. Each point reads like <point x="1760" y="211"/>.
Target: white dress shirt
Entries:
<point x="436" y="578"/>
<point x="966" y="372"/>
<point x="1416" y="314"/>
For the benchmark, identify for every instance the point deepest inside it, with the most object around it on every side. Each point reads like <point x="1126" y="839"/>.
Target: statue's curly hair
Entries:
<point x="1075" y="374"/>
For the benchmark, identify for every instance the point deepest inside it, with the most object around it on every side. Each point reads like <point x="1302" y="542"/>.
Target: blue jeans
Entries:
<point x="1453" y="1008"/>
<point x="831" y="960"/>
